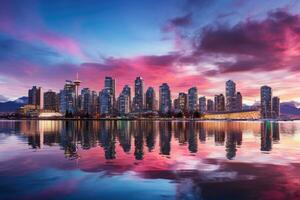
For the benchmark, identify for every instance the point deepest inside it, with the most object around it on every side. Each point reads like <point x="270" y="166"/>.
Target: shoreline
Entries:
<point x="143" y="119"/>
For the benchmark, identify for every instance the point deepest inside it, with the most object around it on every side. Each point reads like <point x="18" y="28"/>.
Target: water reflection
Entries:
<point x="142" y="136"/>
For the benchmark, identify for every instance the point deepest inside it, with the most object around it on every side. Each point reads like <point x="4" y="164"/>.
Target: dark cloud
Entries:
<point x="263" y="45"/>
<point x="181" y="21"/>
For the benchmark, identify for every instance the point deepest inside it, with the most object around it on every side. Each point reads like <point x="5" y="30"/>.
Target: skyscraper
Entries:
<point x="239" y="102"/>
<point x="105" y="102"/>
<point x="95" y="103"/>
<point x="123" y="104"/>
<point x="230" y="96"/>
<point x="182" y="101"/>
<point x="127" y="91"/>
<point x="35" y="97"/>
<point x="210" y="105"/>
<point x="266" y="101"/>
<point x="50" y="101"/>
<point x="138" y="94"/>
<point x="193" y="99"/>
<point x="67" y="98"/>
<point x="77" y="83"/>
<point x="165" y="103"/>
<point x="110" y="85"/>
<point x="86" y="101"/>
<point x="219" y="103"/>
<point x="202" y="105"/>
<point x="151" y="101"/>
<point x="275" y="107"/>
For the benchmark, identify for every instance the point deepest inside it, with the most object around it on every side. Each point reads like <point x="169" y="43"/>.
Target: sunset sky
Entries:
<point x="185" y="43"/>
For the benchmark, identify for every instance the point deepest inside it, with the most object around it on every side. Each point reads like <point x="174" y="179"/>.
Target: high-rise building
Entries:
<point x="86" y="101"/>
<point x="210" y="105"/>
<point x="230" y="96"/>
<point x="219" y="103"/>
<point x="110" y="85"/>
<point x="94" y="103"/>
<point x="266" y="102"/>
<point x="50" y="101"/>
<point x="151" y="102"/>
<point x="123" y="104"/>
<point x="67" y="98"/>
<point x="165" y="102"/>
<point x="275" y="107"/>
<point x="105" y="102"/>
<point x="35" y="97"/>
<point x="238" y="102"/>
<point x="193" y="99"/>
<point x="77" y="99"/>
<point x="202" y="104"/>
<point x="138" y="102"/>
<point x="182" y="101"/>
<point x="127" y="91"/>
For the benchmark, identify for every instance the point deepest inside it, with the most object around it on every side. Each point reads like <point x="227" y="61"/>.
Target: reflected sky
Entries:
<point x="149" y="160"/>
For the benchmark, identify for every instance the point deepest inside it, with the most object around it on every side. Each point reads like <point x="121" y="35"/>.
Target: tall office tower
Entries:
<point x="50" y="101"/>
<point x="35" y="97"/>
<point x="202" y="105"/>
<point x="123" y="104"/>
<point x="86" y="101"/>
<point x="210" y="105"/>
<point x="275" y="107"/>
<point x="127" y="91"/>
<point x="176" y="105"/>
<point x="193" y="99"/>
<point x="266" y="102"/>
<point x="77" y="83"/>
<point x="67" y="98"/>
<point x="182" y="101"/>
<point x="138" y="94"/>
<point x="239" y="102"/>
<point x="165" y="103"/>
<point x="94" y="103"/>
<point x="105" y="99"/>
<point x="230" y="96"/>
<point x="151" y="101"/>
<point x="110" y="85"/>
<point x="219" y="103"/>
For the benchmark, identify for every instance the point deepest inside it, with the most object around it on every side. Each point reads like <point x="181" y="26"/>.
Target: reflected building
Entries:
<point x="165" y="135"/>
<point x="192" y="138"/>
<point x="266" y="136"/>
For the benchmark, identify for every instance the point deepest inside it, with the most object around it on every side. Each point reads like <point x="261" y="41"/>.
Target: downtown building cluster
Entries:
<point x="73" y="102"/>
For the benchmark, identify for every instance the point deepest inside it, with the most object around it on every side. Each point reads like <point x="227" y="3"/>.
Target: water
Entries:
<point x="149" y="160"/>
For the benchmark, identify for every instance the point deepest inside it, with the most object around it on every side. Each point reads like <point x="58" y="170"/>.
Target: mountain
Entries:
<point x="12" y="106"/>
<point x="290" y="109"/>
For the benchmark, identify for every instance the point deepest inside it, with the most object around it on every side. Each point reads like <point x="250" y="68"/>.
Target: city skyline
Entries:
<point x="183" y="44"/>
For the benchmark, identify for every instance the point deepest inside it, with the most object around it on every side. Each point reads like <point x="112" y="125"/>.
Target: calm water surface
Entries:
<point x="115" y="160"/>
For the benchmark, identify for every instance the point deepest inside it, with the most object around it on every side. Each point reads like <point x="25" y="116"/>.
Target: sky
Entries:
<point x="185" y="43"/>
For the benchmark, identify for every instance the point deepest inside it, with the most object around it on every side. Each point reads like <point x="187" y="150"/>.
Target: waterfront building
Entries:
<point x="51" y="100"/>
<point x="202" y="104"/>
<point x="210" y="105"/>
<point x="105" y="101"/>
<point x="127" y="91"/>
<point x="219" y="103"/>
<point x="165" y="103"/>
<point x="138" y="102"/>
<point x="192" y="99"/>
<point x="266" y="101"/>
<point x="110" y="86"/>
<point x="86" y="101"/>
<point x="275" y="107"/>
<point x="123" y="104"/>
<point x="230" y="92"/>
<point x="239" y="102"/>
<point x="151" y="102"/>
<point x="35" y="97"/>
<point x="94" y="103"/>
<point x="77" y="99"/>
<point x="67" y="98"/>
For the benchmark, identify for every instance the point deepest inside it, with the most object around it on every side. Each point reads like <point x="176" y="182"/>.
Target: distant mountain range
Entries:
<point x="12" y="106"/>
<point x="288" y="109"/>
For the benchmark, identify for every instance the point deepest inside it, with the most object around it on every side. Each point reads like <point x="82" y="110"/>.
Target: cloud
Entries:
<point x="270" y="44"/>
